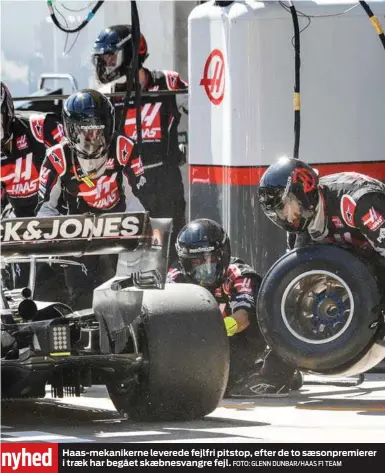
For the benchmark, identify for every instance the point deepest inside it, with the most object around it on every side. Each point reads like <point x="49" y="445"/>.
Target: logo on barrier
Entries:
<point x="214" y="77"/>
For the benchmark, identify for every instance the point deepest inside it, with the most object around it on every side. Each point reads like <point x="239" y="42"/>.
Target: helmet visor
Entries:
<point x="107" y="61"/>
<point x="289" y="213"/>
<point x="90" y="139"/>
<point x="203" y="269"/>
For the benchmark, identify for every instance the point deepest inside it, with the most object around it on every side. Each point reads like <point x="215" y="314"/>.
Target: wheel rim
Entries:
<point x="317" y="307"/>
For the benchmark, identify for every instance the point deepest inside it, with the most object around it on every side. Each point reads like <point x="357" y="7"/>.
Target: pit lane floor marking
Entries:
<point x="309" y="407"/>
<point x="241" y="406"/>
<point x="133" y="433"/>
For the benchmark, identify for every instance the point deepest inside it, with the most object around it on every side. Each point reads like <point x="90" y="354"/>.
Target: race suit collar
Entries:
<point x="318" y="226"/>
<point x="148" y="82"/>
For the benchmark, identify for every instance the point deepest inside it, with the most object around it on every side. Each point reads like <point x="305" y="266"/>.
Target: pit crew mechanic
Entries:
<point x="204" y="258"/>
<point x="161" y="154"/>
<point x="98" y="172"/>
<point x="24" y="139"/>
<point x="346" y="209"/>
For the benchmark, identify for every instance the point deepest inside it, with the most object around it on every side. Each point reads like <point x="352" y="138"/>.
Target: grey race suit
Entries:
<point x="118" y="187"/>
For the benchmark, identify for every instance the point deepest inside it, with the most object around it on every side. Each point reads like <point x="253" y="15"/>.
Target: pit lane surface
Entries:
<point x="315" y="414"/>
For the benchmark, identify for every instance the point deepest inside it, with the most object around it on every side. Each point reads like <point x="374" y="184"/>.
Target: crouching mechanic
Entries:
<point x="204" y="258"/>
<point x="98" y="172"/>
<point x="24" y="139"/>
<point x="346" y="209"/>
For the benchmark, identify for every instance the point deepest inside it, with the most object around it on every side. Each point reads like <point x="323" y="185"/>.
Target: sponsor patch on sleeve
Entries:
<point x="373" y="219"/>
<point x="172" y="80"/>
<point x="381" y="236"/>
<point x="124" y="147"/>
<point x="36" y="123"/>
<point x="243" y="285"/>
<point x="348" y="207"/>
<point x="57" y="158"/>
<point x="22" y="142"/>
<point x="172" y="275"/>
<point x="137" y="166"/>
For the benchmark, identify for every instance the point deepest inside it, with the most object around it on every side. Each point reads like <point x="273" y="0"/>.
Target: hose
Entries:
<point x="132" y="70"/>
<point x="375" y="22"/>
<point x="133" y="74"/>
<point x="82" y="25"/>
<point x="297" y="82"/>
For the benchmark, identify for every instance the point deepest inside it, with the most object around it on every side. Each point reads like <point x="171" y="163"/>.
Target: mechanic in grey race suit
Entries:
<point x="346" y="209"/>
<point x="161" y="153"/>
<point x="204" y="258"/>
<point x="98" y="172"/>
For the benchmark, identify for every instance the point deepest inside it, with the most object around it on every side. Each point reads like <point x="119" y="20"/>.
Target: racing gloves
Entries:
<point x="231" y="326"/>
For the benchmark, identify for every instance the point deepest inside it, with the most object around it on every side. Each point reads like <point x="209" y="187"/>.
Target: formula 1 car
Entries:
<point x="161" y="349"/>
<point x="43" y="92"/>
<point x="322" y="308"/>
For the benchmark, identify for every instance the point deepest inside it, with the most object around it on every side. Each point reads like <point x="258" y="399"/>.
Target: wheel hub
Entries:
<point x="328" y="309"/>
<point x="317" y="307"/>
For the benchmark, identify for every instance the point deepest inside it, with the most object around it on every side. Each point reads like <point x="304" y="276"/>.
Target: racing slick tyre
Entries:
<point x="319" y="308"/>
<point x="186" y="352"/>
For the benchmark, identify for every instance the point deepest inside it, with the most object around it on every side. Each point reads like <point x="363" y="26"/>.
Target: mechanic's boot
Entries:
<point x="257" y="386"/>
<point x="296" y="382"/>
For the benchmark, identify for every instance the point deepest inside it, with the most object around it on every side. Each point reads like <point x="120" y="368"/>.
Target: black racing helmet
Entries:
<point x="89" y="123"/>
<point x="112" y="52"/>
<point x="203" y="249"/>
<point x="7" y="114"/>
<point x="289" y="194"/>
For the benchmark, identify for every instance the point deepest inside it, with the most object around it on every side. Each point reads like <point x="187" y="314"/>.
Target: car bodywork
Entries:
<point x="47" y="343"/>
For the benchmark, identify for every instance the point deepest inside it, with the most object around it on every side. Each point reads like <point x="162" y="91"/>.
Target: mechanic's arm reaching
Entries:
<point x="46" y="129"/>
<point x="369" y="218"/>
<point x="242" y="304"/>
<point x="135" y="179"/>
<point x="182" y="99"/>
<point x="182" y="104"/>
<point x="53" y="131"/>
<point x="237" y="322"/>
<point x="175" y="83"/>
<point x="50" y="186"/>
